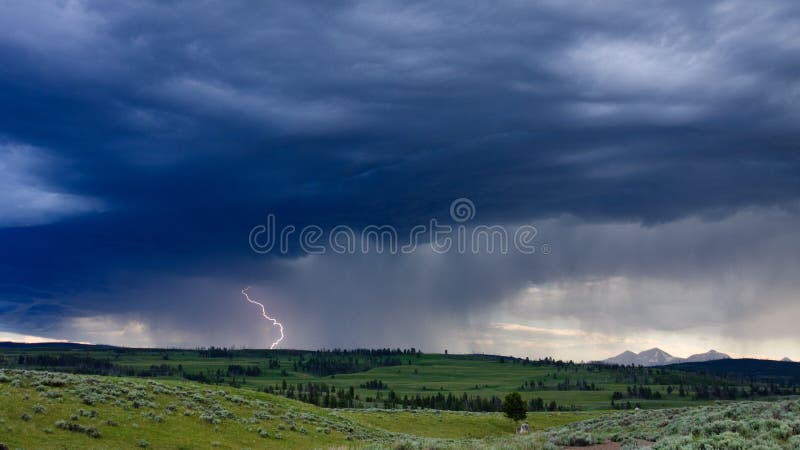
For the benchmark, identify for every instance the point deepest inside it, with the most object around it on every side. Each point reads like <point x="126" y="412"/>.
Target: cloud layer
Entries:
<point x="654" y="146"/>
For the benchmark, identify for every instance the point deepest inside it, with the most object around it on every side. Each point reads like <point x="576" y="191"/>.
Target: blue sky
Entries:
<point x="654" y="146"/>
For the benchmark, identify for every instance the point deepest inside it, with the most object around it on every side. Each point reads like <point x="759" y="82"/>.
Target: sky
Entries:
<point x="652" y="146"/>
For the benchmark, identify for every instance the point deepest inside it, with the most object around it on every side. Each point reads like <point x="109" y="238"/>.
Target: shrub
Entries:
<point x="630" y="444"/>
<point x="78" y="428"/>
<point x="262" y="415"/>
<point x="93" y="432"/>
<point x="208" y="417"/>
<point x="153" y="416"/>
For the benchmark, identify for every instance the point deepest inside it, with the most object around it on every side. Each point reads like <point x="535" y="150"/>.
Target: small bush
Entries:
<point x="93" y="432"/>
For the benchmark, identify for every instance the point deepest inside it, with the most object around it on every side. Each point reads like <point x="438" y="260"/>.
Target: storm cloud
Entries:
<point x="654" y="145"/>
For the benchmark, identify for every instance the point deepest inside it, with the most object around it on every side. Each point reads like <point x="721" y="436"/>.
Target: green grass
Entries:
<point x="458" y="425"/>
<point x="424" y="375"/>
<point x="736" y="425"/>
<point x="41" y="410"/>
<point x="46" y="410"/>
<point x="166" y="415"/>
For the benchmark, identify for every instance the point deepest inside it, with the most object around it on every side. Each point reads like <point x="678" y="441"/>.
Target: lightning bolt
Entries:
<point x="275" y="323"/>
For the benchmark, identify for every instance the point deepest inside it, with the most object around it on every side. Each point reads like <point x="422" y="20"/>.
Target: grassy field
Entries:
<point x="46" y="410"/>
<point x="424" y="375"/>
<point x="458" y="425"/>
<point x="738" y="425"/>
<point x="42" y="410"/>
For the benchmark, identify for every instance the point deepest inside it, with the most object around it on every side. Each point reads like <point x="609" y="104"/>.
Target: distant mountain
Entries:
<point x="652" y="357"/>
<point x="658" y="357"/>
<point x="625" y="358"/>
<point x="786" y="359"/>
<point x="711" y="355"/>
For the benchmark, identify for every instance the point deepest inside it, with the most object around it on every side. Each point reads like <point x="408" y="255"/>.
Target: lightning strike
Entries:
<point x="275" y="323"/>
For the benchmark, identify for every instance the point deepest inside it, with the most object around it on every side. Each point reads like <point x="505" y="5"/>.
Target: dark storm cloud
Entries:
<point x="159" y="134"/>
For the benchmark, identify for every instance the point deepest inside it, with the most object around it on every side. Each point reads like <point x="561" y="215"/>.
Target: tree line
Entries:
<point x="329" y="396"/>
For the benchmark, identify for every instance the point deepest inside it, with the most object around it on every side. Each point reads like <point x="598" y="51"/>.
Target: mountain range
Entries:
<point x="658" y="357"/>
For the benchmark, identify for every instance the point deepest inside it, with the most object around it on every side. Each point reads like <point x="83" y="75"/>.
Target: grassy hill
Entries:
<point x="42" y="408"/>
<point x="390" y="378"/>
<point x="55" y="410"/>
<point x="747" y="370"/>
<point x="738" y="425"/>
<point x="46" y="410"/>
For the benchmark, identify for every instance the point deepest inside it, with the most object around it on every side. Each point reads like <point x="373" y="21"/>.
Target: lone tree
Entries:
<point x="514" y="408"/>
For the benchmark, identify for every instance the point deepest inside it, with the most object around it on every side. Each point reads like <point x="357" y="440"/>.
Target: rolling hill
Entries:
<point x="46" y="410"/>
<point x="746" y="370"/>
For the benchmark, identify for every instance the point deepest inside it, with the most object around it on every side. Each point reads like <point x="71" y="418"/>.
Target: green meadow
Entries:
<point x="73" y="396"/>
<point x="42" y="410"/>
<point x="574" y="387"/>
<point x="49" y="410"/>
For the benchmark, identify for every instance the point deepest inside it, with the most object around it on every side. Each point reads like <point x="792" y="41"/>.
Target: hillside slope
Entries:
<point x="741" y="425"/>
<point x="762" y="370"/>
<point x="43" y="410"/>
<point x="49" y="410"/>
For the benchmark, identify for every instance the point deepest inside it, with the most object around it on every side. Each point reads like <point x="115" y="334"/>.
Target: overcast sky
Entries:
<point x="654" y="146"/>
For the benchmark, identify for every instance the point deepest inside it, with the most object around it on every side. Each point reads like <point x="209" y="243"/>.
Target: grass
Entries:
<point x="56" y="410"/>
<point x="44" y="410"/>
<point x="475" y="375"/>
<point x="738" y="425"/>
<point x="458" y="425"/>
